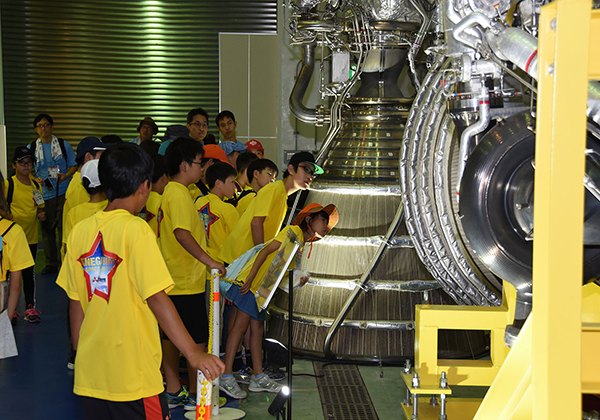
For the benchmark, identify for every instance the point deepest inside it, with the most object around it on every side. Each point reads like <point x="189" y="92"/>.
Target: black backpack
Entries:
<point x="11" y="190"/>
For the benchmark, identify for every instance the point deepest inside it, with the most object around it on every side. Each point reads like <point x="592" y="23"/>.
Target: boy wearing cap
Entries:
<point x="26" y="206"/>
<point x="147" y="128"/>
<point x="98" y="201"/>
<point x="88" y="149"/>
<point x="242" y="283"/>
<point x="264" y="216"/>
<point x="254" y="146"/>
<point x="54" y="166"/>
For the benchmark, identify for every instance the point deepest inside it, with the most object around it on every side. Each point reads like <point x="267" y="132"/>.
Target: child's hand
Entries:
<point x="211" y="366"/>
<point x="246" y="287"/>
<point x="42" y="216"/>
<point x="217" y="266"/>
<point x="303" y="281"/>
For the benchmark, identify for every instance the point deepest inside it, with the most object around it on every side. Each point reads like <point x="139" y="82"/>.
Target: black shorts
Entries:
<point x="151" y="408"/>
<point x="192" y="311"/>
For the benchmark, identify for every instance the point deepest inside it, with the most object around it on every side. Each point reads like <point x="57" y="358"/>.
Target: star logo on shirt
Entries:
<point x="99" y="267"/>
<point x="207" y="218"/>
<point x="146" y="214"/>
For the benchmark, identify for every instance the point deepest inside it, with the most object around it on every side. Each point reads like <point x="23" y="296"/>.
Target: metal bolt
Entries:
<point x="415" y="415"/>
<point x="443" y="407"/>
<point x="407" y="400"/>
<point x="433" y="401"/>
<point x="553" y="24"/>
<point x="443" y="381"/>
<point x="407" y="366"/>
<point x="551" y="69"/>
<point x="415" y="380"/>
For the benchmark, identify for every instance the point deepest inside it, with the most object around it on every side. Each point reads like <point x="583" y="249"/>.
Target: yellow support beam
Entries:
<point x="593" y="56"/>
<point x="558" y="215"/>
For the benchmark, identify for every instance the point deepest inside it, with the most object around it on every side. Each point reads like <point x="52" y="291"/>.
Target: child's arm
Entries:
<point x="76" y="317"/>
<point x="260" y="259"/>
<point x="258" y="230"/>
<point x="171" y="323"/>
<point x="187" y="241"/>
<point x="6" y="215"/>
<point x="15" y="290"/>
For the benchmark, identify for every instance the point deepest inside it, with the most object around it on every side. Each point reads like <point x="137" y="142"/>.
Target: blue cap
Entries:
<point x="231" y="147"/>
<point x="89" y="144"/>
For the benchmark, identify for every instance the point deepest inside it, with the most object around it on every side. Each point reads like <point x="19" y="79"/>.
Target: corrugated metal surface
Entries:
<point x="99" y="67"/>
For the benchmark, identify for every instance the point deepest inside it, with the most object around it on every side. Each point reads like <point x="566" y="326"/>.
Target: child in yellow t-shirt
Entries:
<point x="91" y="182"/>
<point x="15" y="257"/>
<point x="219" y="218"/>
<point x="261" y="173"/>
<point x="116" y="281"/>
<point x="311" y="224"/>
<point x="159" y="181"/>
<point x="241" y="180"/>
<point x="264" y="216"/>
<point x="26" y="205"/>
<point x="182" y="241"/>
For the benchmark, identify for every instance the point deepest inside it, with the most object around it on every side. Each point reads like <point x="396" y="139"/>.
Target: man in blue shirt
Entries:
<point x="54" y="166"/>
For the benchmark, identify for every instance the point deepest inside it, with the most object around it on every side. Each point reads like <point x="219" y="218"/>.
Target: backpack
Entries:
<point x="61" y="143"/>
<point x="11" y="190"/>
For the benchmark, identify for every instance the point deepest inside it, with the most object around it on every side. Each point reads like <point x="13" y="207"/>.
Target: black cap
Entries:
<point x="305" y="157"/>
<point x="23" y="152"/>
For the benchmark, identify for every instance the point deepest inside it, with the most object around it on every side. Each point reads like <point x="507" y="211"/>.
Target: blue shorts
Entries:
<point x="245" y="303"/>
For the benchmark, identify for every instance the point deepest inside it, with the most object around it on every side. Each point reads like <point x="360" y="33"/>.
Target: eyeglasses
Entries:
<point x="272" y="177"/>
<point x="199" y="163"/>
<point x="25" y="163"/>
<point x="200" y="125"/>
<point x="308" y="170"/>
<point x="45" y="125"/>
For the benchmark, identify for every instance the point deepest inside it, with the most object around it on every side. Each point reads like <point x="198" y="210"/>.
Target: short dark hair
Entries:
<point x="122" y="169"/>
<point x="260" y="165"/>
<point x="286" y="173"/>
<point x="304" y="223"/>
<point x="224" y="114"/>
<point x="244" y="160"/>
<point x="219" y="171"/>
<point x="160" y="167"/>
<point x="182" y="149"/>
<point x="112" y="139"/>
<point x="209" y="139"/>
<point x="80" y="159"/>
<point x="150" y="147"/>
<point x="91" y="190"/>
<point x="40" y="117"/>
<point x="194" y="112"/>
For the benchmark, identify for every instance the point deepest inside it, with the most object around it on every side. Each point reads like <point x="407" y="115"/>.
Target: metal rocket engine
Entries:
<point x="429" y="159"/>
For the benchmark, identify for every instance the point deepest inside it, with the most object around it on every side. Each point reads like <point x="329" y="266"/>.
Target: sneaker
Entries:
<point x="231" y="388"/>
<point x="15" y="318"/>
<point x="190" y="402"/>
<point x="177" y="399"/>
<point x="32" y="314"/>
<point x="71" y="362"/>
<point x="264" y="384"/>
<point x="243" y="376"/>
<point x="273" y="373"/>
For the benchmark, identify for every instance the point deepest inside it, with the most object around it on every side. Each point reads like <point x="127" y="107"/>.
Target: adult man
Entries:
<point x="226" y="124"/>
<point x="197" y="124"/>
<point x="147" y="128"/>
<point x="54" y="166"/>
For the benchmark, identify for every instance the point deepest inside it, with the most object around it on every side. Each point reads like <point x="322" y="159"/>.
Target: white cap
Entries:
<point x="90" y="171"/>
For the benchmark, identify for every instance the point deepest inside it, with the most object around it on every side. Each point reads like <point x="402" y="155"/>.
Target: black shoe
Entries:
<point x="49" y="269"/>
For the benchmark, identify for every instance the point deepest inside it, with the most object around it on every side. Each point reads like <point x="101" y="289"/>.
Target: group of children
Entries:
<point x="141" y="236"/>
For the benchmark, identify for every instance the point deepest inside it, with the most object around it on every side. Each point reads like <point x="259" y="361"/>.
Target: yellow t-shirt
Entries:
<point x="245" y="201"/>
<point x="16" y="255"/>
<point x="260" y="275"/>
<point x="271" y="203"/>
<point x="177" y="211"/>
<point x="23" y="208"/>
<point x="150" y="211"/>
<point x="218" y="219"/>
<point x="194" y="191"/>
<point x="80" y="212"/>
<point x="112" y="267"/>
<point x="75" y="195"/>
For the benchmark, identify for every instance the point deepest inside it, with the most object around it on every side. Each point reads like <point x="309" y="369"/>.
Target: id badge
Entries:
<point x="37" y="197"/>
<point x="53" y="171"/>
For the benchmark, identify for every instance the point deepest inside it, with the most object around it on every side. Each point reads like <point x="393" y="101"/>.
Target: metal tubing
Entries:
<point x="460" y="30"/>
<point x="308" y="115"/>
<point x="472" y="130"/>
<point x="363" y="281"/>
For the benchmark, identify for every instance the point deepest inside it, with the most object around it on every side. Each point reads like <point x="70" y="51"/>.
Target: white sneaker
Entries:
<point x="231" y="388"/>
<point x="264" y="384"/>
